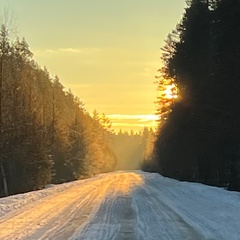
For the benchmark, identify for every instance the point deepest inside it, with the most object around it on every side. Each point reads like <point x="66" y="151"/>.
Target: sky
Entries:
<point x="107" y="52"/>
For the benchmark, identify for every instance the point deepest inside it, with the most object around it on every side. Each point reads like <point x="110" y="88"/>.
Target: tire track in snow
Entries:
<point x="128" y="221"/>
<point x="182" y="201"/>
<point x="164" y="222"/>
<point x="63" y="226"/>
<point x="126" y="205"/>
<point x="115" y="218"/>
<point x="26" y="221"/>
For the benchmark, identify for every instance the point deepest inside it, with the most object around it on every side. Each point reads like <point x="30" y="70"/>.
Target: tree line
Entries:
<point x="46" y="134"/>
<point x="199" y="131"/>
<point x="132" y="148"/>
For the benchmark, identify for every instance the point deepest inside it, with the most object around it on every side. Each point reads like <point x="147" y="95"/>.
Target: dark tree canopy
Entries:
<point x="200" y="139"/>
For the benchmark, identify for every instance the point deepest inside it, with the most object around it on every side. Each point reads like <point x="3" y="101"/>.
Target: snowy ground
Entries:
<point x="122" y="205"/>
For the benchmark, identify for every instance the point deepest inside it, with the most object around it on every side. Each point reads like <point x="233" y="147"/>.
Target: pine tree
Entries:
<point x="4" y="52"/>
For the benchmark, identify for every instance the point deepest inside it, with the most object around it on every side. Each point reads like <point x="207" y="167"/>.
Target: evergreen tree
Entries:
<point x="200" y="140"/>
<point x="46" y="134"/>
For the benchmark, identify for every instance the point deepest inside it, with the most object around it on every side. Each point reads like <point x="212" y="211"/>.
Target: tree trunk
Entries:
<point x="5" y="187"/>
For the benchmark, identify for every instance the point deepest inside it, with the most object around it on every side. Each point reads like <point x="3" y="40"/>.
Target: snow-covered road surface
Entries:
<point x="122" y="205"/>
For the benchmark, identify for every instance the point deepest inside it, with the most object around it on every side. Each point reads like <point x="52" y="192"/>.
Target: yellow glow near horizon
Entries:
<point x="148" y="117"/>
<point x="107" y="52"/>
<point x="133" y="122"/>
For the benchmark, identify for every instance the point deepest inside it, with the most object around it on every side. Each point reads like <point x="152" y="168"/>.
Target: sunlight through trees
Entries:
<point x="199" y="139"/>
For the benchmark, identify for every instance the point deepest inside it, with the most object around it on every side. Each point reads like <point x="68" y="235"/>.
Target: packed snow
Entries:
<point x="131" y="205"/>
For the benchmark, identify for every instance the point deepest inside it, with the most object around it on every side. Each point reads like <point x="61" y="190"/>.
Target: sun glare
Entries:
<point x="170" y="92"/>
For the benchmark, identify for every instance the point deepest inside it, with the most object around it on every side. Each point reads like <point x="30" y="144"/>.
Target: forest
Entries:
<point x="199" y="129"/>
<point x="46" y="134"/>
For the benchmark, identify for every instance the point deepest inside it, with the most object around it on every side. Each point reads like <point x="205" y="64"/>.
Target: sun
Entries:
<point x="170" y="92"/>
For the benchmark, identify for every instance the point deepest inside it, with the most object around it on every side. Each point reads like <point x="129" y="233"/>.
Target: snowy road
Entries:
<point x="122" y="205"/>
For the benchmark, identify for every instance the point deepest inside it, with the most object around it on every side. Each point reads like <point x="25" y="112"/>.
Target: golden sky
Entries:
<point x="107" y="52"/>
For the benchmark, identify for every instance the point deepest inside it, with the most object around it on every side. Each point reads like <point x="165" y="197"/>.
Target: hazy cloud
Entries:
<point x="44" y="52"/>
<point x="144" y="117"/>
<point x="132" y="121"/>
<point x="70" y="50"/>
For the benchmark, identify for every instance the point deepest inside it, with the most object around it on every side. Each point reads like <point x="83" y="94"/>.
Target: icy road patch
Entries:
<point x="122" y="205"/>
